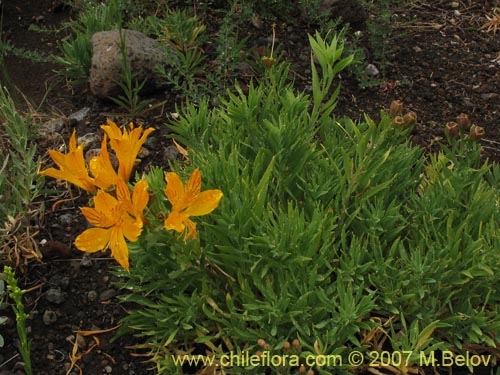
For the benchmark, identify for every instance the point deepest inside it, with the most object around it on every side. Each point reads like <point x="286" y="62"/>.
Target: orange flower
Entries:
<point x="188" y="201"/>
<point x="102" y="169"/>
<point x="71" y="166"/>
<point x="116" y="219"/>
<point x="126" y="145"/>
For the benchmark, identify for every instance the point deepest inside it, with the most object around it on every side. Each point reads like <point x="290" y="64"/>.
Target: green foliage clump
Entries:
<point x="76" y="50"/>
<point x="338" y="234"/>
<point x="19" y="183"/>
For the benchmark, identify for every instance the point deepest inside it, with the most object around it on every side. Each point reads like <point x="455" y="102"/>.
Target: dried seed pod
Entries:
<point x="398" y="122"/>
<point x="463" y="121"/>
<point x="410" y="119"/>
<point x="302" y="369"/>
<point x="396" y="108"/>
<point x="262" y="343"/>
<point x="296" y="344"/>
<point x="452" y="129"/>
<point x="476" y="132"/>
<point x="286" y="345"/>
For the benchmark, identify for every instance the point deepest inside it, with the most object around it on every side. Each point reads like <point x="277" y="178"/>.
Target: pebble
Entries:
<point x="489" y="96"/>
<point x="50" y="129"/>
<point x="55" y="295"/>
<point x="78" y="116"/>
<point x="108" y="369"/>
<point x="107" y="294"/>
<point x="86" y="261"/>
<point x="171" y="153"/>
<point x="92" y="296"/>
<point x="93" y="152"/>
<point x="66" y="220"/>
<point x="49" y="317"/>
<point x="91" y="140"/>
<point x="372" y="70"/>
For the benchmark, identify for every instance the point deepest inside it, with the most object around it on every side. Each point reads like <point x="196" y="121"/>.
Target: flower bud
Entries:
<point x="286" y="345"/>
<point x="476" y="132"/>
<point x="302" y="369"/>
<point x="296" y="344"/>
<point x="398" y="122"/>
<point x="463" y="121"/>
<point x="396" y="108"/>
<point x="452" y="129"/>
<point x="258" y="353"/>
<point x="262" y="343"/>
<point x="410" y="119"/>
<point x="310" y="372"/>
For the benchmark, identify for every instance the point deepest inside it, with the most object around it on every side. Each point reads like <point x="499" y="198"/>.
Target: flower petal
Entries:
<point x="174" y="190"/>
<point x="105" y="202"/>
<point x="140" y="197"/>
<point x="193" y="185"/>
<point x="93" y="239"/>
<point x="132" y="229"/>
<point x="119" y="248"/>
<point x="71" y="166"/>
<point x="204" y="203"/>
<point x="126" y="145"/>
<point x="175" y="221"/>
<point x="102" y="169"/>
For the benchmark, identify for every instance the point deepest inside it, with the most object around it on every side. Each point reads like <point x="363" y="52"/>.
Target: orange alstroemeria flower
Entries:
<point x="102" y="169"/>
<point x="115" y="219"/>
<point x="188" y="201"/>
<point x="72" y="166"/>
<point x="126" y="145"/>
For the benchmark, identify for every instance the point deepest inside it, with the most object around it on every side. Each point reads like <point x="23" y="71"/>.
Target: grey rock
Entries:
<point x="49" y="317"/>
<point x="108" y="369"/>
<point x="142" y="53"/>
<point x="489" y="96"/>
<point x="50" y="130"/>
<point x="90" y="140"/>
<point x="78" y="116"/>
<point x="107" y="294"/>
<point x="372" y="70"/>
<point x="66" y="220"/>
<point x="92" y="296"/>
<point x="93" y="152"/>
<point x="86" y="260"/>
<point x="55" y="295"/>
<point x="171" y="153"/>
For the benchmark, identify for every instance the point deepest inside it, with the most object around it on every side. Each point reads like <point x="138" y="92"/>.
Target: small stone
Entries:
<point x="92" y="296"/>
<point x="417" y="49"/>
<point x="66" y="220"/>
<point x="108" y="369"/>
<point x="80" y="341"/>
<point x="86" y="261"/>
<point x="143" y="153"/>
<point x="489" y="96"/>
<point x="256" y="21"/>
<point x="55" y="295"/>
<point x="372" y="70"/>
<point x="91" y="140"/>
<point x="49" y="317"/>
<point x="454" y="5"/>
<point x="50" y="129"/>
<point x="107" y="294"/>
<point x="94" y="152"/>
<point x="171" y="153"/>
<point x="78" y="116"/>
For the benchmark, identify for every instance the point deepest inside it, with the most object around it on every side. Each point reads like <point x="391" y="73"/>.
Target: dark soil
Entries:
<point x="437" y="62"/>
